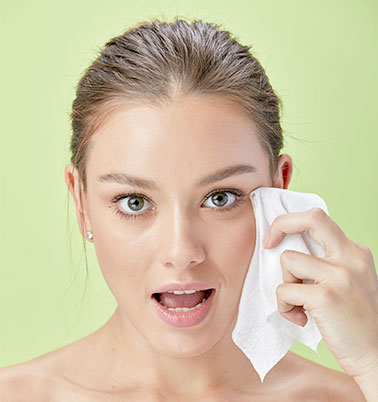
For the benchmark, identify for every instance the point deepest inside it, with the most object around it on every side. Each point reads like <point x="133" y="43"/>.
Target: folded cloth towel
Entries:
<point x="261" y="332"/>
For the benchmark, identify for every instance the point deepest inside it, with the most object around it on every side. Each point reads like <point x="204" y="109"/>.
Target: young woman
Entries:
<point x="174" y="124"/>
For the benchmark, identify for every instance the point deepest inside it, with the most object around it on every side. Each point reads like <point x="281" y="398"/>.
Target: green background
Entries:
<point x="321" y="58"/>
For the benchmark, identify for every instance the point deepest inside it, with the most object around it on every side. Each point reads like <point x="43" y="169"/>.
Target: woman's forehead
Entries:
<point x="187" y="129"/>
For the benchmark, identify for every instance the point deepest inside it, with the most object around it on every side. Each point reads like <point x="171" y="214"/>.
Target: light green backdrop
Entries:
<point x="322" y="61"/>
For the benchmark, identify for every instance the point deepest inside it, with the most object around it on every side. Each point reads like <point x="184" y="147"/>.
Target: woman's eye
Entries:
<point x="132" y="205"/>
<point x="221" y="199"/>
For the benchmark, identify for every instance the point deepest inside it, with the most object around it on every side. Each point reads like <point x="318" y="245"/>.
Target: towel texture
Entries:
<point x="261" y="332"/>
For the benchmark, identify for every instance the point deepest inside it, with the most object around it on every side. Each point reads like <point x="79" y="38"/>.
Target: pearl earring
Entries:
<point x="90" y="235"/>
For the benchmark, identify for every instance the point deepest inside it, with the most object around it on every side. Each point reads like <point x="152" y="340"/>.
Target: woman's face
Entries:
<point x="174" y="231"/>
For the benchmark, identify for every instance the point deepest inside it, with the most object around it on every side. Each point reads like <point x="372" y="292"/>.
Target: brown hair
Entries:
<point x="153" y="62"/>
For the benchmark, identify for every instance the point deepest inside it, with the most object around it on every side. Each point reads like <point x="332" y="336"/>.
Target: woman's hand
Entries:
<point x="343" y="300"/>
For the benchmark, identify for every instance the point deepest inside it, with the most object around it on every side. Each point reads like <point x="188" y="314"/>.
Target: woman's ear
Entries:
<point x="72" y="179"/>
<point x="283" y="172"/>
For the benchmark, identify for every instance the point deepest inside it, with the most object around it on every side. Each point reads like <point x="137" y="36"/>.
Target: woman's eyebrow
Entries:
<point x="123" y="178"/>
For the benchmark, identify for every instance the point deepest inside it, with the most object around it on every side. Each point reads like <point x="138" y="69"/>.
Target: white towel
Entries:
<point x="261" y="332"/>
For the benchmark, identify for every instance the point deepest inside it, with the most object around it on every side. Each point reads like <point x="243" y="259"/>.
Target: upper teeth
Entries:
<point x="180" y="292"/>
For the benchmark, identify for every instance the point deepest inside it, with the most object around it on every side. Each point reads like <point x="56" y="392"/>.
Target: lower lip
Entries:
<point x="183" y="319"/>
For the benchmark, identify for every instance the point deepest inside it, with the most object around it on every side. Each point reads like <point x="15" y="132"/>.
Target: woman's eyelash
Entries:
<point x="239" y="200"/>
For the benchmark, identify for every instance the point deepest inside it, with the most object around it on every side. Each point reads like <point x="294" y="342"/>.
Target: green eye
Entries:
<point x="220" y="200"/>
<point x="133" y="203"/>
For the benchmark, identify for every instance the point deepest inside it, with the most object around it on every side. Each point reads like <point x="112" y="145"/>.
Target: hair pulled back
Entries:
<point x="153" y="62"/>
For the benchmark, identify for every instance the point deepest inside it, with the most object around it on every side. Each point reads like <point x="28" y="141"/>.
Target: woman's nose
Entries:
<point x="181" y="242"/>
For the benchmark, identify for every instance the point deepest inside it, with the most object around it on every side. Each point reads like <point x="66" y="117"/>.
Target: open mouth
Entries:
<point x="183" y="302"/>
<point x="184" y="308"/>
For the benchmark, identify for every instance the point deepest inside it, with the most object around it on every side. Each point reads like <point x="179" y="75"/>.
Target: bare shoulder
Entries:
<point x="38" y="380"/>
<point x="21" y="382"/>
<point x="320" y="383"/>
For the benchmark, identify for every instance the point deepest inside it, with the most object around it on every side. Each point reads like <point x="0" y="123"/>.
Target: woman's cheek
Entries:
<point x="238" y="251"/>
<point x="120" y="259"/>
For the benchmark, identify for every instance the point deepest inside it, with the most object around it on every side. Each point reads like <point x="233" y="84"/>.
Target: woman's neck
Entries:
<point x="124" y="360"/>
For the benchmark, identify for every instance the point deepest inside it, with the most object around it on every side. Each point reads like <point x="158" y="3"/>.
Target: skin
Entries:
<point x="135" y="356"/>
<point x="175" y="146"/>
